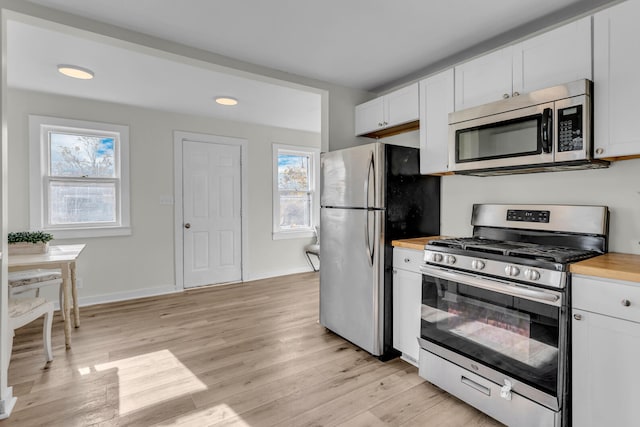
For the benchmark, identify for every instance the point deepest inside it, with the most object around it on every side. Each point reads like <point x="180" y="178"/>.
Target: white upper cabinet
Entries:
<point x="436" y="102"/>
<point x="484" y="79"/>
<point x="369" y="116"/>
<point x="388" y="111"/>
<point x="556" y="57"/>
<point x="616" y="85"/>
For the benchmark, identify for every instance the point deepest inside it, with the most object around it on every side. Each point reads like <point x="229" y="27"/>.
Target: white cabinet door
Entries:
<point x="407" y="301"/>
<point x="402" y="106"/>
<point x="605" y="374"/>
<point x="436" y="102"/>
<point x="556" y="57"/>
<point x="369" y="116"/>
<point x="396" y="108"/>
<point x="616" y="84"/>
<point x="484" y="79"/>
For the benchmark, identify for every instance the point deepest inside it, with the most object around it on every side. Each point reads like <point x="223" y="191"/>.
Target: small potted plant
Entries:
<point x="28" y="242"/>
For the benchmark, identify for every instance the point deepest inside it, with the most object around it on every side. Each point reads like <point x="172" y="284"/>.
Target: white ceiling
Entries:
<point x="363" y="44"/>
<point x="125" y="75"/>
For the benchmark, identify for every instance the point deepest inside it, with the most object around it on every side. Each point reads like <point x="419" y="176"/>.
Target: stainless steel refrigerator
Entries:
<point x="370" y="195"/>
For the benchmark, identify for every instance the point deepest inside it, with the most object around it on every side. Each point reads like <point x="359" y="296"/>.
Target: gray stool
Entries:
<point x="314" y="249"/>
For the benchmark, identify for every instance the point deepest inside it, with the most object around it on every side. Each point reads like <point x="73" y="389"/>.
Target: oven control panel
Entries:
<point x="504" y="270"/>
<point x="528" y="215"/>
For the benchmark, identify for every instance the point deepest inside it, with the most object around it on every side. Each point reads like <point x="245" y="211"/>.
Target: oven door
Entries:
<point x="498" y="329"/>
<point x="515" y="138"/>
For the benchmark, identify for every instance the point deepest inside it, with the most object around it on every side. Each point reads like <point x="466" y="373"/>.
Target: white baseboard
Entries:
<point x="123" y="296"/>
<point x="269" y="275"/>
<point x="170" y="289"/>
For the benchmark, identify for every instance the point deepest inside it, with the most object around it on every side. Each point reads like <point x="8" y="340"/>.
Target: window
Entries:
<point x="295" y="191"/>
<point x="79" y="177"/>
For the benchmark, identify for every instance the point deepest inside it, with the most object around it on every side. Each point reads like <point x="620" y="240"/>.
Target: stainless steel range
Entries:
<point x="495" y="308"/>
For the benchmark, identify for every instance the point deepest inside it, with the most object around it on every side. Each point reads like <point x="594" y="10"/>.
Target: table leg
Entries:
<point x="66" y="285"/>
<point x="74" y="294"/>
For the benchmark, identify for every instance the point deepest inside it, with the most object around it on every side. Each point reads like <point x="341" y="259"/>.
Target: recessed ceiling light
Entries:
<point x="75" y="71"/>
<point x="226" y="100"/>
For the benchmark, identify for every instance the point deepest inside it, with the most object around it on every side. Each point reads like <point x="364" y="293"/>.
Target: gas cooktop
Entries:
<point x="524" y="250"/>
<point x="530" y="244"/>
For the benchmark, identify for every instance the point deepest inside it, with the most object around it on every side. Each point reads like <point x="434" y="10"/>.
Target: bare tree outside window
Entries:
<point x="82" y="155"/>
<point x="293" y="185"/>
<point x="92" y="200"/>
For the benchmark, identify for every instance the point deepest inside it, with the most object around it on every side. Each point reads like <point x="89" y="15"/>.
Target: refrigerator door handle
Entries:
<point x="367" y="183"/>
<point x="367" y="236"/>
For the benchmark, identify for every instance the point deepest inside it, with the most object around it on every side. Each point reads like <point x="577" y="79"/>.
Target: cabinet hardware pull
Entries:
<point x="505" y="96"/>
<point x="599" y="150"/>
<point x="407" y="260"/>
<point x="516" y="93"/>
<point x="577" y="316"/>
<point x="625" y="302"/>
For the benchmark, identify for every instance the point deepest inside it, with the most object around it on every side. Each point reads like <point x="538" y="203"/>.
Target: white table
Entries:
<point x="62" y="257"/>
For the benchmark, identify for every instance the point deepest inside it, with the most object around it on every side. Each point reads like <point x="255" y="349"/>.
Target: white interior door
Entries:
<point x="212" y="232"/>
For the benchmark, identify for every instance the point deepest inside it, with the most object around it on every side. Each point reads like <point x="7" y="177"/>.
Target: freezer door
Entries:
<point x="352" y="276"/>
<point x="353" y="177"/>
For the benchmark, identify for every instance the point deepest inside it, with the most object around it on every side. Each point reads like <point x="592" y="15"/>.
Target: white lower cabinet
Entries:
<point x="407" y="299"/>
<point x="605" y="352"/>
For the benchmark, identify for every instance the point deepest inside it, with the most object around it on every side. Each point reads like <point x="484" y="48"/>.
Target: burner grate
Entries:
<point x="526" y="250"/>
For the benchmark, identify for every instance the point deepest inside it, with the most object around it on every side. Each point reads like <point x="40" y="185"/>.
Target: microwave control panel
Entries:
<point x="570" y="132"/>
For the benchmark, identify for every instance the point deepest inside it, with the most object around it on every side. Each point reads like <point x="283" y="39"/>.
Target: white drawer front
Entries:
<point x="407" y="259"/>
<point x="614" y="298"/>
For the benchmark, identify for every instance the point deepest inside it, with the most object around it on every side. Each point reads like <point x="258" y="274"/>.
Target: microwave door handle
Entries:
<point x="546" y="130"/>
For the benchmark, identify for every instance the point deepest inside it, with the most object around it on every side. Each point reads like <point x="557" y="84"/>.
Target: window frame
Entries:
<point x="314" y="189"/>
<point x="40" y="177"/>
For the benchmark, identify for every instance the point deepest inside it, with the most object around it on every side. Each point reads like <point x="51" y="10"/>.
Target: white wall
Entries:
<point x="144" y="262"/>
<point x="617" y="187"/>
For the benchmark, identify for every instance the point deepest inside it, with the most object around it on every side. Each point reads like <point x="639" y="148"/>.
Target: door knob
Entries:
<point x="187" y="225"/>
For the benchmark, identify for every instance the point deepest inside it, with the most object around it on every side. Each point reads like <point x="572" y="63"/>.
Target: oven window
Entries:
<point x="513" y="335"/>
<point x="511" y="138"/>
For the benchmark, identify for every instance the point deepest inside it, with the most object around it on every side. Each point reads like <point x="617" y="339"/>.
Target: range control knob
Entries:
<point x="477" y="264"/>
<point x="511" y="270"/>
<point x="531" y="274"/>
<point x="450" y="259"/>
<point x="436" y="257"/>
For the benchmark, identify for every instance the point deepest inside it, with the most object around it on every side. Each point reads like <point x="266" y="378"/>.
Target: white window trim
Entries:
<point x="315" y="201"/>
<point x="38" y="170"/>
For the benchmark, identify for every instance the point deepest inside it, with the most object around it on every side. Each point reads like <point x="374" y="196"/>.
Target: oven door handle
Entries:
<point x="495" y="285"/>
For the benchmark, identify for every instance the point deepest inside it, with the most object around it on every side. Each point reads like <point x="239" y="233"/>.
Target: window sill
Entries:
<point x="79" y="233"/>
<point x="282" y="235"/>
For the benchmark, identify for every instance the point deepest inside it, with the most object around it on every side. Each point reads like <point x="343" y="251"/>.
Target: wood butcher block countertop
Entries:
<point x="610" y="266"/>
<point x="416" y="243"/>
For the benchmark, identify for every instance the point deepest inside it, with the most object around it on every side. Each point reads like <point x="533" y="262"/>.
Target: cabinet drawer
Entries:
<point x="407" y="259"/>
<point x="614" y="298"/>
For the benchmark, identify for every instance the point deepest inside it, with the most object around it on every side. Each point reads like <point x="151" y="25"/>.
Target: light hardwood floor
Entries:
<point x="249" y="354"/>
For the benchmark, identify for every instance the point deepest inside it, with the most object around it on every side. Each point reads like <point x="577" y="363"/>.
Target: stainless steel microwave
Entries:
<point x="548" y="129"/>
